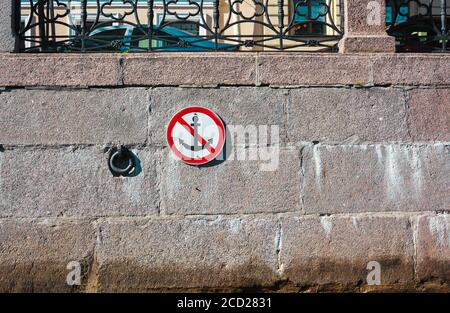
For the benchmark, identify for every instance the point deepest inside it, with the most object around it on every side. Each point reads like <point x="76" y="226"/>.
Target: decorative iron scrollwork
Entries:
<point x="178" y="25"/>
<point x="130" y="8"/>
<point x="260" y="9"/>
<point x="419" y="25"/>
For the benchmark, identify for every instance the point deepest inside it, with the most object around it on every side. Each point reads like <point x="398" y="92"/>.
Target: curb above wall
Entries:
<point x="223" y="69"/>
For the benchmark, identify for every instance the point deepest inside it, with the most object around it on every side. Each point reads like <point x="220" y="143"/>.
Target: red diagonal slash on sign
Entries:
<point x="189" y="128"/>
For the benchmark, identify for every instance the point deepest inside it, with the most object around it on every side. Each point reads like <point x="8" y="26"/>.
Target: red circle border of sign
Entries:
<point x="216" y="120"/>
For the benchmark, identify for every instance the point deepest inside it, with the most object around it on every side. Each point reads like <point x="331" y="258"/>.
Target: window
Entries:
<point x="401" y="17"/>
<point x="188" y="27"/>
<point x="308" y="16"/>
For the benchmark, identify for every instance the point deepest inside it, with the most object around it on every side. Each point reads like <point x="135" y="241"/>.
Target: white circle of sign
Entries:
<point x="196" y="135"/>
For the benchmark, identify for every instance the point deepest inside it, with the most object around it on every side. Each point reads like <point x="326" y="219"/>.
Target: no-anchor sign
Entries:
<point x="196" y="135"/>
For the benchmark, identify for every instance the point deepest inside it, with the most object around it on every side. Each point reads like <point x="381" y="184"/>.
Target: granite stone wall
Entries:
<point x="362" y="173"/>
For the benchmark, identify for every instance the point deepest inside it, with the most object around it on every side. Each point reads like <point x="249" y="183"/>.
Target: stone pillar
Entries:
<point x="365" y="27"/>
<point x="7" y="40"/>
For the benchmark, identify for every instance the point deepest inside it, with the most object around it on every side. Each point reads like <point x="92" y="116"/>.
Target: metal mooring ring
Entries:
<point x="120" y="153"/>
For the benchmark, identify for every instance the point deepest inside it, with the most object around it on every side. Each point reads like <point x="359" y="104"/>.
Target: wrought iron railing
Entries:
<point x="419" y="25"/>
<point x="177" y="25"/>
